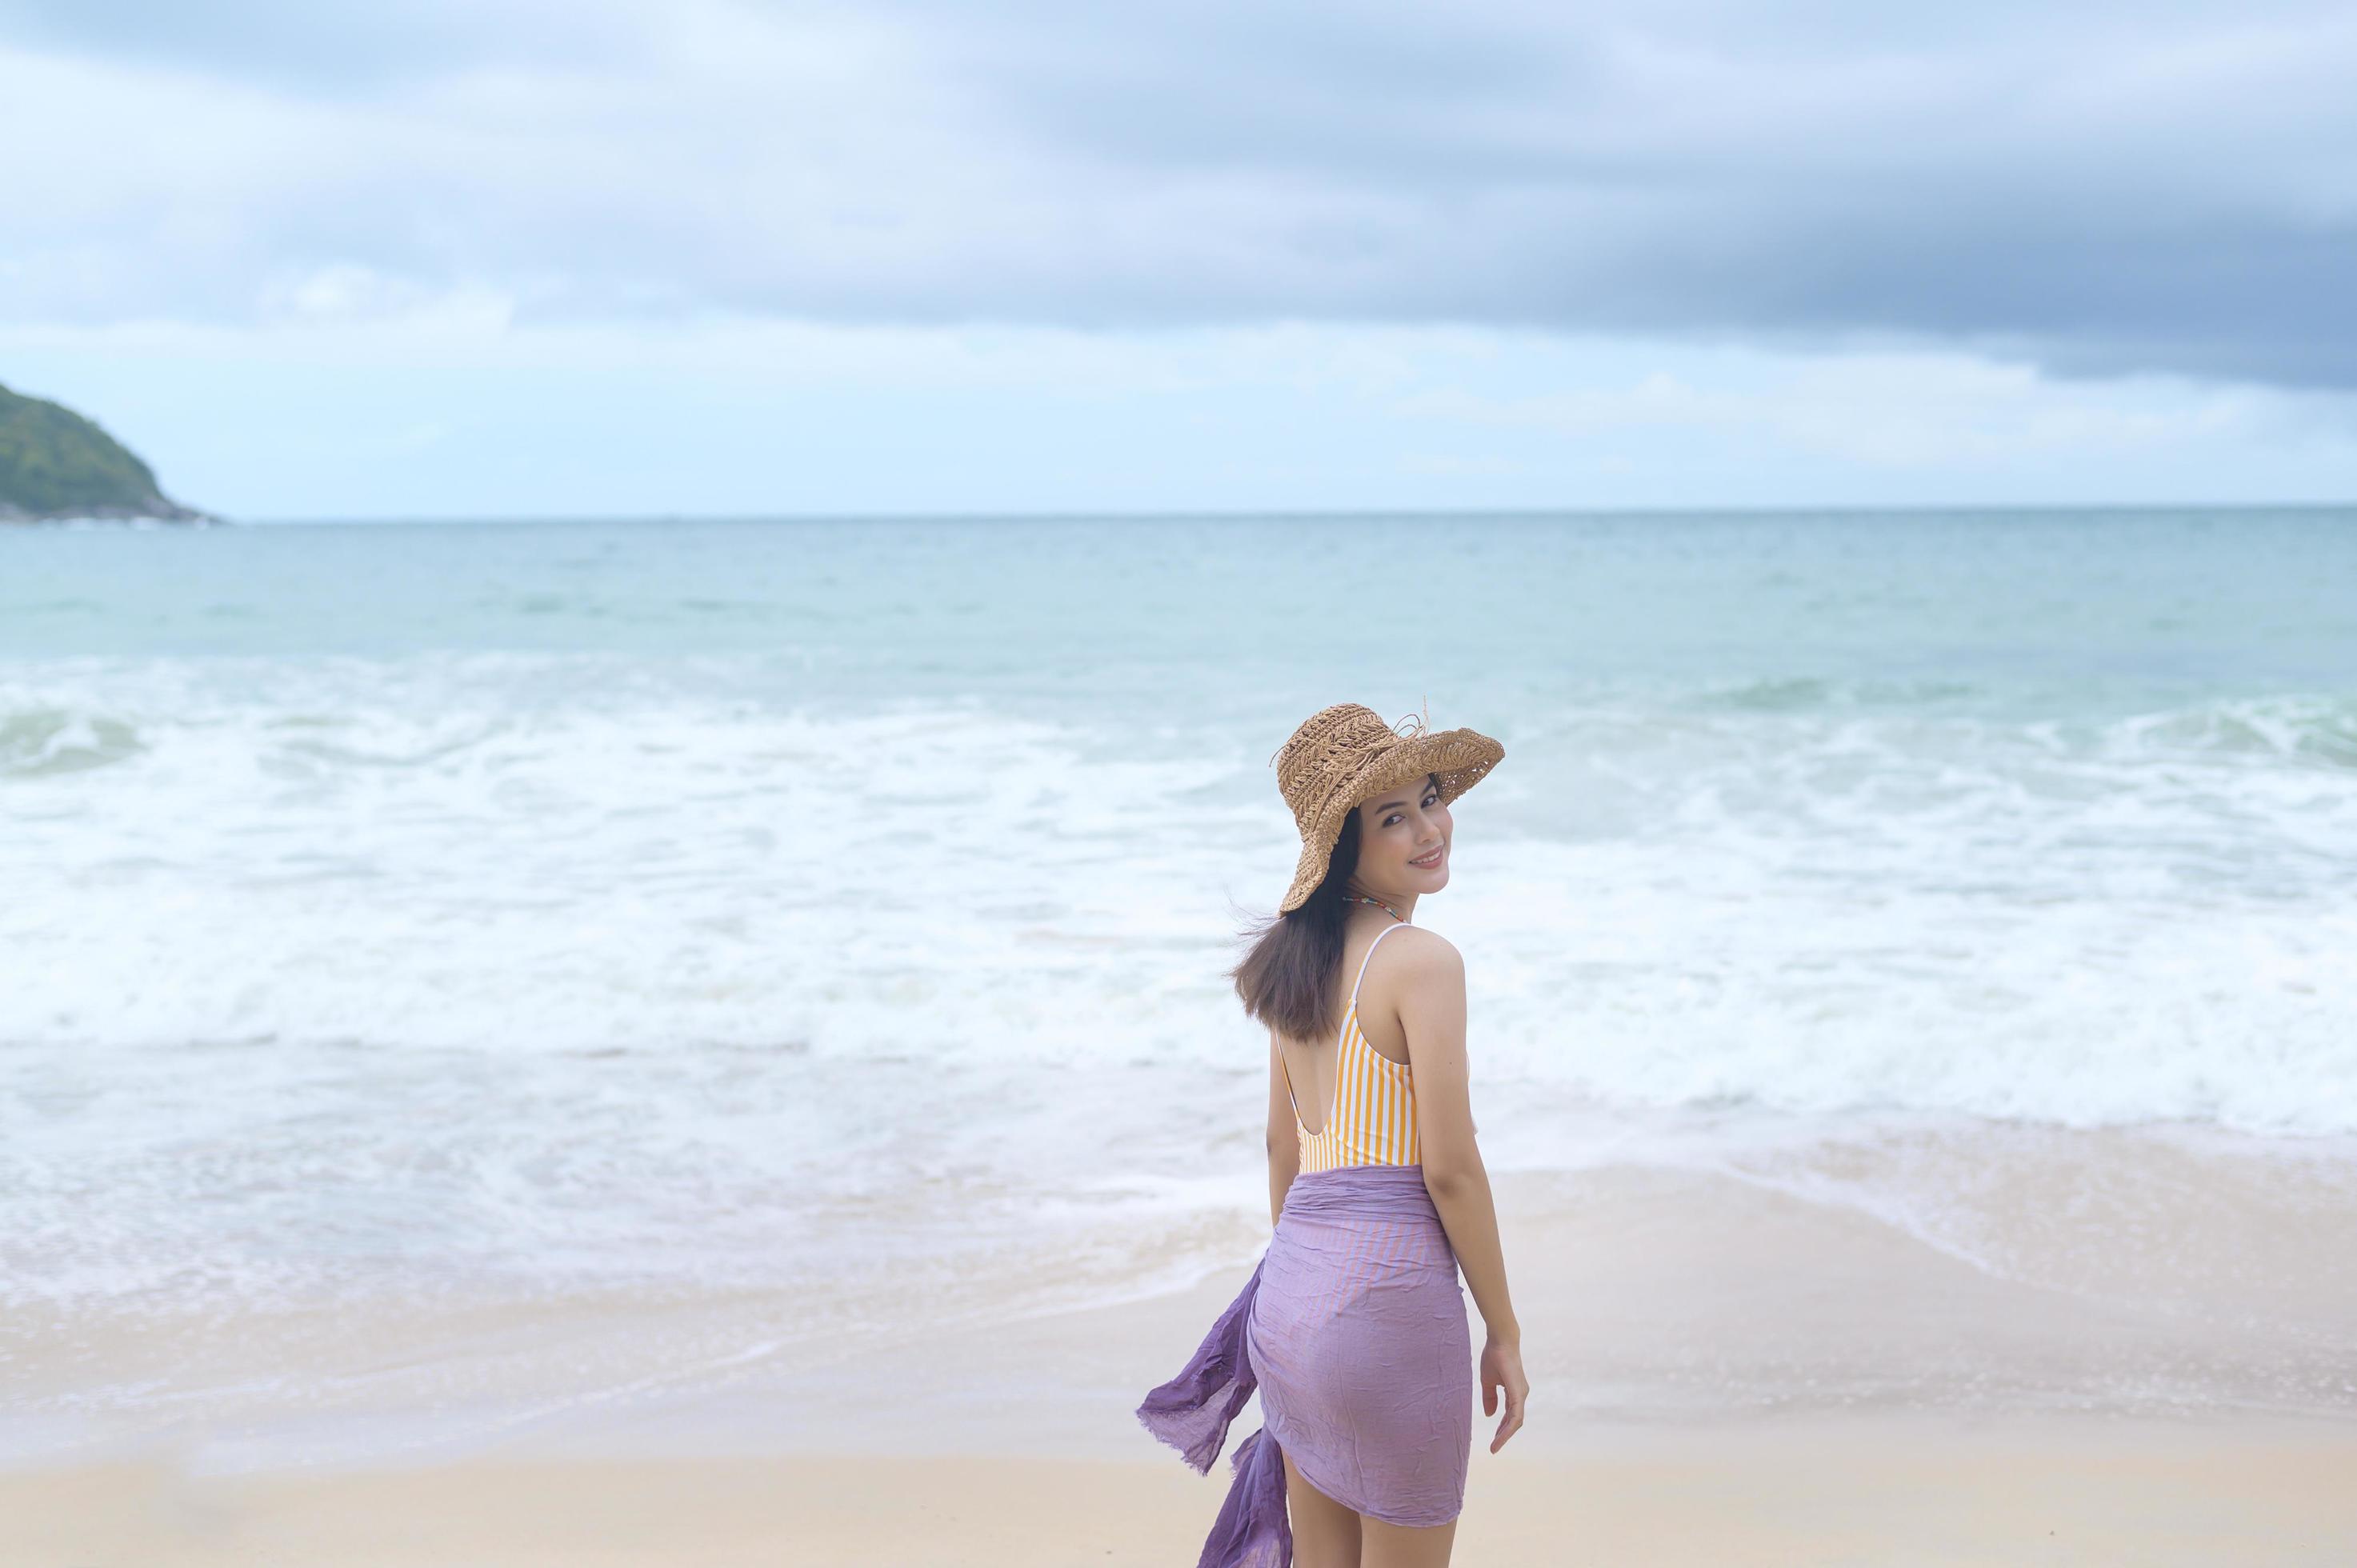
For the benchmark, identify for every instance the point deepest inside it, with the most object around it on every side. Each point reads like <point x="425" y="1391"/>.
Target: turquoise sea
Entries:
<point x="401" y="914"/>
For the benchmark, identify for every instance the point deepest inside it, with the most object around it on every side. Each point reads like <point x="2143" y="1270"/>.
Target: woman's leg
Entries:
<point x="1398" y="1546"/>
<point x="1325" y="1533"/>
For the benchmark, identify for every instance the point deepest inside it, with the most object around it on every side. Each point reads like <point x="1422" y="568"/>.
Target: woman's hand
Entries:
<point x="1502" y="1368"/>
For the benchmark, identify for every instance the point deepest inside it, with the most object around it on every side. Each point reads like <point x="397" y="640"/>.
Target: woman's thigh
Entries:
<point x="1325" y="1532"/>
<point x="1398" y="1546"/>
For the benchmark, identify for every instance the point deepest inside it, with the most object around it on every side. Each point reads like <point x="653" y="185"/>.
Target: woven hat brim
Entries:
<point x="1459" y="757"/>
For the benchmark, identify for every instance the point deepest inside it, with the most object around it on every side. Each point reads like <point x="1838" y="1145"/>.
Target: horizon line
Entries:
<point x="1282" y="513"/>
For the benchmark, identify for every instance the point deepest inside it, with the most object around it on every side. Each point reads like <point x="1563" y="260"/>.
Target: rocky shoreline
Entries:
<point x="162" y="510"/>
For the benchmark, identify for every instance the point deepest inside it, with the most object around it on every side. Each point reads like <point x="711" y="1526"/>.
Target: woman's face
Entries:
<point x="1404" y="839"/>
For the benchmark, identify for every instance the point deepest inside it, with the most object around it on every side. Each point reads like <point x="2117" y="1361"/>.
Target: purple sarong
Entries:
<point x="1353" y="1328"/>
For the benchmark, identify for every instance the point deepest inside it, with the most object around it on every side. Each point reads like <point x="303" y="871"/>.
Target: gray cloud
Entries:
<point x="2165" y="188"/>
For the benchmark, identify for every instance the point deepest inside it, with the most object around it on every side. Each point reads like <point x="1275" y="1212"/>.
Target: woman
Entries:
<point x="1353" y="1326"/>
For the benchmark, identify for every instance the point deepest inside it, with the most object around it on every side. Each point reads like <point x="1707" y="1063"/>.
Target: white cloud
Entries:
<point x="1923" y="410"/>
<point x="323" y="413"/>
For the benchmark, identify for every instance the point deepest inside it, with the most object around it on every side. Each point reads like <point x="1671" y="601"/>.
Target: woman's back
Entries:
<point x="1369" y="1116"/>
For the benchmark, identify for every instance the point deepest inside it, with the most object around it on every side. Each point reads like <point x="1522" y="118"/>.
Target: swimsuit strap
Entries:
<point x="1343" y="1033"/>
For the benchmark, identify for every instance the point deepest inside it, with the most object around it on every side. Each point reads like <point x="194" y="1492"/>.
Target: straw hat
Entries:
<point x="1345" y="756"/>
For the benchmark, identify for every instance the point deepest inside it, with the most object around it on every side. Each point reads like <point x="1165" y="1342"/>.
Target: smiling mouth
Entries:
<point x="1433" y="860"/>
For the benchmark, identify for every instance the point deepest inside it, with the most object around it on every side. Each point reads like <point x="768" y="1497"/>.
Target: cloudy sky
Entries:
<point x="448" y="258"/>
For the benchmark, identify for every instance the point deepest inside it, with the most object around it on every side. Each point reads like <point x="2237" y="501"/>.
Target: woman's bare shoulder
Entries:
<point x="1419" y="948"/>
<point x="1413" y="959"/>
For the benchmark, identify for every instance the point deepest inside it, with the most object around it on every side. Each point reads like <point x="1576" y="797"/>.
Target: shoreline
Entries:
<point x="1857" y="1490"/>
<point x="2115" y="1279"/>
<point x="2119" y="1350"/>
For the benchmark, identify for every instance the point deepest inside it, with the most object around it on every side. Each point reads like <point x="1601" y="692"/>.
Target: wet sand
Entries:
<point x="2117" y="1351"/>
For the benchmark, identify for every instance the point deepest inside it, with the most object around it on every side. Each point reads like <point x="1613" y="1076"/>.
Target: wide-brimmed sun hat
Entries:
<point x="1345" y="756"/>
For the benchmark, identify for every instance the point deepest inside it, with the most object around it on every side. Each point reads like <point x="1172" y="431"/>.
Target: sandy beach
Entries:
<point x="1862" y="1491"/>
<point x="1723" y="1372"/>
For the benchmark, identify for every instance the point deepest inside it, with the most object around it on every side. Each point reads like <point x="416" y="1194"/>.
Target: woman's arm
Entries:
<point x="1431" y="986"/>
<point x="1284" y="1142"/>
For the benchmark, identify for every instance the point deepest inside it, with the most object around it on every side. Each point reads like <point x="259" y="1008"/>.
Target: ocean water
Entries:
<point x="398" y="915"/>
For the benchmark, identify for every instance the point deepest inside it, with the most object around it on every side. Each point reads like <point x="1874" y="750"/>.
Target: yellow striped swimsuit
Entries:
<point x="1373" y="1119"/>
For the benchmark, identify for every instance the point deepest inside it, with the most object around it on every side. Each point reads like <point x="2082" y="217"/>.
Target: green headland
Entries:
<point x="56" y="464"/>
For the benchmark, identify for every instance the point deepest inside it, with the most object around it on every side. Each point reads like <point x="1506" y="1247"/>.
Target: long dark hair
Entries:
<point x="1286" y="978"/>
